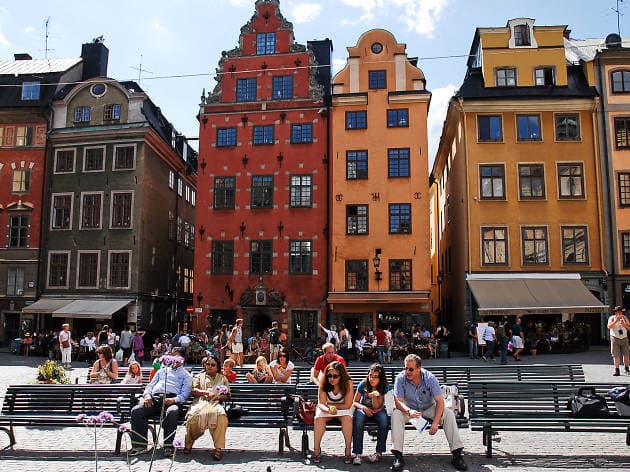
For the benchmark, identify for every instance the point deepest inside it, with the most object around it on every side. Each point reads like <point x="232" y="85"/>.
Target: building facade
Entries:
<point x="262" y="214"/>
<point x="118" y="224"/>
<point x="517" y="186"/>
<point x="379" y="246"/>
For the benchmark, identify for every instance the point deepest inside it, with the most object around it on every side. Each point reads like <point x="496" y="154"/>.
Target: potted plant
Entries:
<point x="52" y="373"/>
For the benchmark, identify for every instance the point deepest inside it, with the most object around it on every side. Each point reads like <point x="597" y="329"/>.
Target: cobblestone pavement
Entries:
<point x="250" y="450"/>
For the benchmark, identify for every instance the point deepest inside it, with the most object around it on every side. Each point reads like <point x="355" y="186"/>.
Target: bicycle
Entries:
<point x="306" y="354"/>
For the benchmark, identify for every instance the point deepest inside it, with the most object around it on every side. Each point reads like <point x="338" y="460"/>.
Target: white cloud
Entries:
<point x="437" y="114"/>
<point x="338" y="64"/>
<point x="306" y="12"/>
<point x="420" y="16"/>
<point x="4" y="41"/>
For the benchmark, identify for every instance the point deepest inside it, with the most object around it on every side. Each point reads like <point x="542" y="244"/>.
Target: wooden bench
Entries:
<point x="266" y="405"/>
<point x="46" y="405"/>
<point x="535" y="406"/>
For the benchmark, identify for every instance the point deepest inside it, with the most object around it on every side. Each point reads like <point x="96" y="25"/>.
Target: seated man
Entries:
<point x="322" y="361"/>
<point x="417" y="394"/>
<point x="172" y="386"/>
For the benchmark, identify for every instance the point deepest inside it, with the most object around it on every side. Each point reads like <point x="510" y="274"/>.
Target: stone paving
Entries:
<point x="63" y="449"/>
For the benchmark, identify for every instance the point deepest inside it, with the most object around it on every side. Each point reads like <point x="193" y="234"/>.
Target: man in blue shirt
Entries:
<point x="417" y="394"/>
<point x="170" y="387"/>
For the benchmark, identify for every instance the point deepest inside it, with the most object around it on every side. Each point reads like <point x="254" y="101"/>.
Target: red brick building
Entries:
<point x="262" y="204"/>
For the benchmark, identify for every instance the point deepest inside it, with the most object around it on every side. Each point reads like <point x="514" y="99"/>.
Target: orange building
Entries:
<point x="379" y="244"/>
<point x="516" y="185"/>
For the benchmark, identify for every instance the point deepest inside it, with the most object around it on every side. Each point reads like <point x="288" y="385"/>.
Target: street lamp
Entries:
<point x="376" y="260"/>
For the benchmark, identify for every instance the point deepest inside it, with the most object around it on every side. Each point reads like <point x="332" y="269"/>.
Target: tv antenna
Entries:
<point x="619" y="15"/>
<point x="46" y="34"/>
<point x="140" y="70"/>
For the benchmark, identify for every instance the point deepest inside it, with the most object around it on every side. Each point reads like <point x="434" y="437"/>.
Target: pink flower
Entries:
<point x="221" y="389"/>
<point x="178" y="443"/>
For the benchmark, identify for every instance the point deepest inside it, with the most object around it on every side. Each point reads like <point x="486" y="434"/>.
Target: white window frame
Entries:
<point x="135" y="155"/>
<point x="16" y="291"/>
<point x="193" y="198"/>
<point x="180" y="187"/>
<point x="60" y="287"/>
<point x="52" y="210"/>
<point x="74" y="160"/>
<point x="98" y="270"/>
<point x="100" y="221"/>
<point x="111" y="210"/>
<point x="171" y="179"/>
<point x="109" y="268"/>
<point x="85" y="158"/>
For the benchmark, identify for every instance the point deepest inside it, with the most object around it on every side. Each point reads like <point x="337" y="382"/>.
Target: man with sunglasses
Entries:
<point x="417" y="394"/>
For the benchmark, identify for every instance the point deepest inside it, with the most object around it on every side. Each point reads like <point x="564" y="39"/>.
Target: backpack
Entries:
<point x="274" y="336"/>
<point x="587" y="404"/>
<point x="453" y="400"/>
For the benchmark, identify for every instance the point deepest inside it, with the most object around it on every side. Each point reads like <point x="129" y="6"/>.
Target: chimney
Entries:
<point x="567" y="34"/>
<point x="95" y="56"/>
<point x="24" y="56"/>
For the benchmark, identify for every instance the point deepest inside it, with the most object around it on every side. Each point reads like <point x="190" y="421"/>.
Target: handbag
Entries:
<point x="65" y="344"/>
<point x="234" y="411"/>
<point x="587" y="404"/>
<point x="306" y="411"/>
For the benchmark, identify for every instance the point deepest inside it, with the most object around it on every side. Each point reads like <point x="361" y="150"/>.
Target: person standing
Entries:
<point x="489" y="336"/>
<point x="237" y="344"/>
<point x="345" y="342"/>
<point x="417" y="394"/>
<point x="381" y="340"/>
<point x="471" y="335"/>
<point x="618" y="324"/>
<point x="65" y="345"/>
<point x="505" y="336"/>
<point x="517" y="338"/>
<point x="137" y="344"/>
<point x="274" y="341"/>
<point x="331" y="335"/>
<point x="102" y="335"/>
<point x="126" y="339"/>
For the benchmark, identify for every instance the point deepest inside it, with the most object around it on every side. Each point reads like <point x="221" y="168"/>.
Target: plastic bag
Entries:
<point x="119" y="355"/>
<point x="132" y="358"/>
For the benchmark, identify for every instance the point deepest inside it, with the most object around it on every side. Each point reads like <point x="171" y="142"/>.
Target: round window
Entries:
<point x="98" y="90"/>
<point x="377" y="48"/>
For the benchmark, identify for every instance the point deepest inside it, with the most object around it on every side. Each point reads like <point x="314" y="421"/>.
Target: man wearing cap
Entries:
<point x="170" y="387"/>
<point x="618" y="324"/>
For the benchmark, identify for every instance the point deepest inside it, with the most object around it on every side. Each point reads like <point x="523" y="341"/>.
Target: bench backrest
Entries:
<point x="47" y="399"/>
<point x="535" y="399"/>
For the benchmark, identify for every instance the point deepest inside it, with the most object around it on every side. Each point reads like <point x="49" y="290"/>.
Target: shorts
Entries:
<point x="274" y="348"/>
<point x="237" y="348"/>
<point x="518" y="342"/>
<point x="619" y="346"/>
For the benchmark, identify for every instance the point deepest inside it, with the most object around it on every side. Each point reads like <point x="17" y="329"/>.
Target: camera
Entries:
<point x="621" y="332"/>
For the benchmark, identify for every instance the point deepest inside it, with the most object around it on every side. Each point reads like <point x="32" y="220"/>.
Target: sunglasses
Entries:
<point x="410" y="369"/>
<point x="283" y="355"/>
<point x="333" y="376"/>
<point x="212" y="365"/>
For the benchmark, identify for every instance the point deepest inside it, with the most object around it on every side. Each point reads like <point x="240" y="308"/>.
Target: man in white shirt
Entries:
<point x="331" y="335"/>
<point x="618" y="324"/>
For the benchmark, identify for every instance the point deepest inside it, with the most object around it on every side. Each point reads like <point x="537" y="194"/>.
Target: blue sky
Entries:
<point x="179" y="42"/>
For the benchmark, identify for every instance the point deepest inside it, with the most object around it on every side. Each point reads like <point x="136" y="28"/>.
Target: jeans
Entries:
<point x="489" y="352"/>
<point x="379" y="354"/>
<point x="472" y="347"/>
<point x="358" y="426"/>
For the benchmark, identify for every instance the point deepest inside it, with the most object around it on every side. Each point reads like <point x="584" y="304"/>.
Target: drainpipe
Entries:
<point x="608" y="196"/>
<point x="328" y="203"/>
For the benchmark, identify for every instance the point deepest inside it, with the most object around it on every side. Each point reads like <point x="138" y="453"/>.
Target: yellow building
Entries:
<point x="516" y="185"/>
<point x="379" y="209"/>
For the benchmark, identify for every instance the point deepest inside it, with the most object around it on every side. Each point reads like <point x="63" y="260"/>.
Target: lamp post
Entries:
<point x="376" y="260"/>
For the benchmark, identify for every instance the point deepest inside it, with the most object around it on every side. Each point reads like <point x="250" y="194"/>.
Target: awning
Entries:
<point x="90" y="308"/>
<point x="46" y="305"/>
<point x="533" y="295"/>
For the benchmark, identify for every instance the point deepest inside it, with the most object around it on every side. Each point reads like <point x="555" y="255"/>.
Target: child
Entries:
<point x="134" y="374"/>
<point x="261" y="373"/>
<point x="228" y="371"/>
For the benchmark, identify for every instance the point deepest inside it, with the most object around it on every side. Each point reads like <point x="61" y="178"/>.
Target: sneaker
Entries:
<point x="483" y="358"/>
<point x="374" y="458"/>
<point x="136" y="450"/>
<point x="399" y="462"/>
<point x="458" y="461"/>
<point x="357" y="460"/>
<point x="627" y="370"/>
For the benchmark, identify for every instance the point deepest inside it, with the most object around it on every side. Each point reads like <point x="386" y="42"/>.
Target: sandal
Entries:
<point x="317" y="457"/>
<point x="347" y="459"/>
<point x="218" y="455"/>
<point x="187" y="450"/>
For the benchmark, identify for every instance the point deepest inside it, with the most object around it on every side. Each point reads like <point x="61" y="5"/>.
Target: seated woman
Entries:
<point x="105" y="369"/>
<point x="261" y="373"/>
<point x="134" y="374"/>
<point x="209" y="389"/>
<point x="334" y="401"/>
<point x="282" y="368"/>
<point x="369" y="402"/>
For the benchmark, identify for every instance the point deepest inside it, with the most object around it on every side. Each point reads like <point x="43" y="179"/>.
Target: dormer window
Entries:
<point x="521" y="35"/>
<point x="265" y="43"/>
<point x="30" y="91"/>
<point x="505" y="77"/>
<point x="544" y="76"/>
